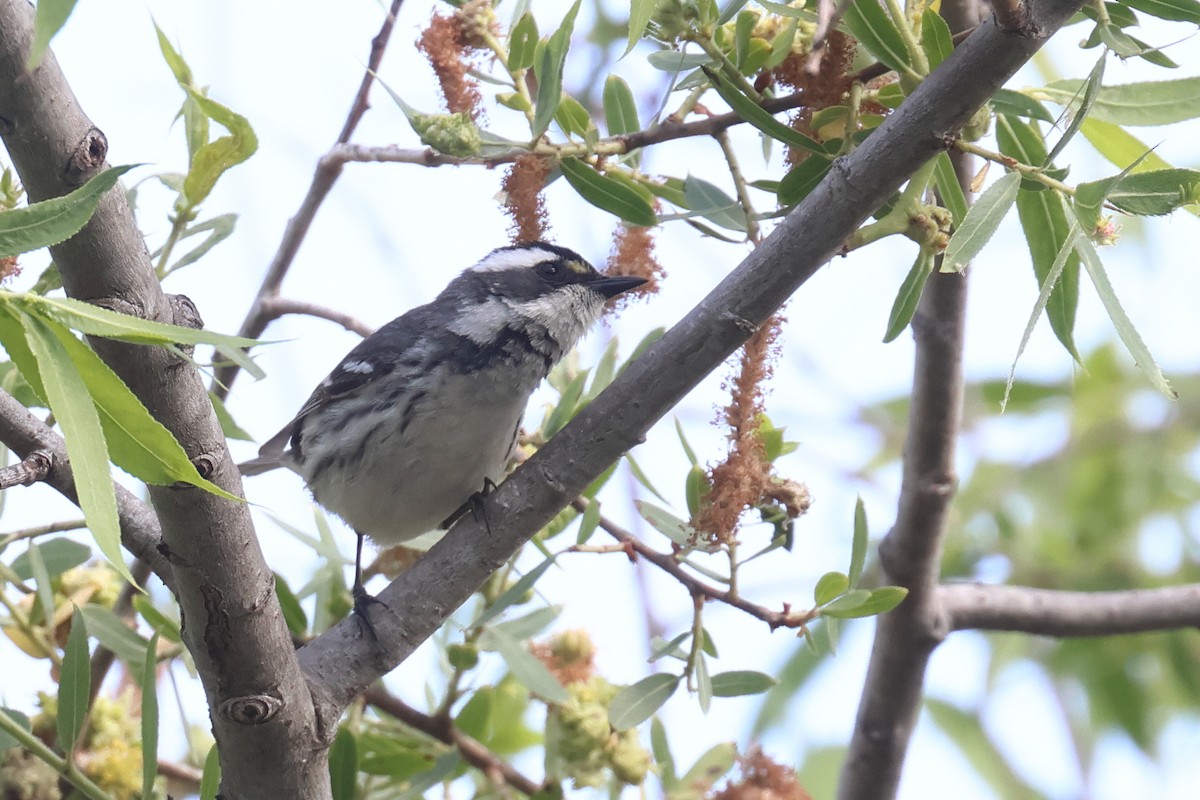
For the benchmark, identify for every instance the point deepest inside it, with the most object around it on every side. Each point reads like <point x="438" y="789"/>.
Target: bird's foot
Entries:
<point x="476" y="505"/>
<point x="363" y="600"/>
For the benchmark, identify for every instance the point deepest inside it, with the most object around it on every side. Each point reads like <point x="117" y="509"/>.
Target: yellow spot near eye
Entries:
<point x="577" y="267"/>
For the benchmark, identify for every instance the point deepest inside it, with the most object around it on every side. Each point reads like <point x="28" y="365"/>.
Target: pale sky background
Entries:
<point x="390" y="236"/>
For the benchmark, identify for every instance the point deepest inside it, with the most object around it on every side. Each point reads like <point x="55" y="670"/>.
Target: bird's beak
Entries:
<point x="613" y="285"/>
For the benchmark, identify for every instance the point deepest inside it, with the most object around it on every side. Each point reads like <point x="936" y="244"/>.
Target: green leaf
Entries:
<point x="530" y="625"/>
<point x="881" y="601"/>
<point x="21" y="720"/>
<point x="1120" y="147"/>
<point x="1174" y="10"/>
<point x="858" y="549"/>
<point x="527" y="669"/>
<point x="675" y="61"/>
<point x="709" y="767"/>
<point x="743" y="30"/>
<point x="829" y="586"/>
<point x="981" y="222"/>
<point x="665" y="522"/>
<point x="162" y="624"/>
<point x="48" y="20"/>
<point x="522" y="43"/>
<point x="935" y="38"/>
<point x="620" y="109"/>
<point x="696" y="488"/>
<point x="1125" y="328"/>
<point x="683" y="442"/>
<point x="662" y="754"/>
<point x="210" y="779"/>
<point x="1149" y="103"/>
<point x="550" y="72"/>
<point x="1091" y="90"/>
<point x="710" y="202"/>
<point x="568" y="404"/>
<point x="905" y="304"/>
<point x="1045" y="227"/>
<point x="759" y="117"/>
<point x="59" y="555"/>
<point x="704" y="692"/>
<point x="1006" y="101"/>
<point x="640" y="14"/>
<point x="572" y="117"/>
<point x="219" y="228"/>
<point x="874" y="29"/>
<point x="589" y="522"/>
<point x="212" y="159"/>
<point x="1090" y="196"/>
<point x="293" y="613"/>
<point x="96" y="321"/>
<point x="137" y="442"/>
<point x="949" y="189"/>
<point x="846" y="604"/>
<point x="343" y="765"/>
<point x="513" y="593"/>
<point x="45" y="592"/>
<point x="74" y="685"/>
<point x="737" y="683"/>
<point x="150" y="721"/>
<point x="112" y="632"/>
<point x="229" y="426"/>
<point x="178" y="67"/>
<point x="635" y="704"/>
<point x="1156" y="192"/>
<point x="76" y="414"/>
<point x="56" y="220"/>
<point x="802" y="179"/>
<point x="966" y="731"/>
<point x="608" y="194"/>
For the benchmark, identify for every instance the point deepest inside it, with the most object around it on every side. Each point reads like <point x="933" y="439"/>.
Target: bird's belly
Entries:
<point x="405" y="483"/>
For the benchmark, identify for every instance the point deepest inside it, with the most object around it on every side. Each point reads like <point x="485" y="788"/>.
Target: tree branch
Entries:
<point x="327" y="173"/>
<point x="1050" y="612"/>
<point x="23" y="433"/>
<point x="33" y="468"/>
<point x="271" y="745"/>
<point x="341" y="663"/>
<point x="276" y="307"/>
<point x="445" y="731"/>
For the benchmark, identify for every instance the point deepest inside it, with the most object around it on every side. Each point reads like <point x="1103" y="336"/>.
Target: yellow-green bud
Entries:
<point x="463" y="656"/>
<point x="452" y="134"/>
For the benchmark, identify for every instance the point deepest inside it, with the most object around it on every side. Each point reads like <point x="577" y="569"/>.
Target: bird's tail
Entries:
<point x="257" y="466"/>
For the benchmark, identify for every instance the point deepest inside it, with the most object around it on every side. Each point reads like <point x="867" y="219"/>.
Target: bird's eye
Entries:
<point x="550" y="269"/>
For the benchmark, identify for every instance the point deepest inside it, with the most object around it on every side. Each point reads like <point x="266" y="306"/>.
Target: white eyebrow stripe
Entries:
<point x="512" y="259"/>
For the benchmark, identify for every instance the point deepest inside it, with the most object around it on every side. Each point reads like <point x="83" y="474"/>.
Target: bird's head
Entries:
<point x="534" y="284"/>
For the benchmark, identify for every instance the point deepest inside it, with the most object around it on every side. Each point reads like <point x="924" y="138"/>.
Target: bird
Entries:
<point x="419" y="419"/>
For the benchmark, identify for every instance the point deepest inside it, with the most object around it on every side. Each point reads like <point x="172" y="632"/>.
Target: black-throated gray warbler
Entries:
<point x="423" y="414"/>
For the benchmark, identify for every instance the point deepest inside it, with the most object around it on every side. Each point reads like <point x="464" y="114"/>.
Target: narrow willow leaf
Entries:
<point x="1006" y="101"/>
<point x="981" y="222"/>
<point x="1121" y="147"/>
<point x="532" y="673"/>
<point x="874" y="29"/>
<point x="881" y="601"/>
<point x="737" y="683"/>
<point x="163" y="625"/>
<point x="846" y="604"/>
<point x="1045" y="227"/>
<point x="550" y="72"/>
<point x="52" y="221"/>
<point x="1157" y="192"/>
<point x="219" y="228"/>
<point x="759" y="117"/>
<point x="1091" y="90"/>
<point x="589" y="523"/>
<point x="608" y="194"/>
<point x="620" y="109"/>
<point x="1149" y="103"/>
<point x="212" y="159"/>
<point x="949" y="189"/>
<point x="683" y="442"/>
<point x="48" y="20"/>
<point x="513" y="593"/>
<point x="1174" y="10"/>
<point x="45" y="592"/>
<point x="150" y="721"/>
<point x="343" y="765"/>
<point x="14" y="718"/>
<point x="530" y="625"/>
<point x="229" y="426"/>
<point x="829" y="586"/>
<point x="785" y="10"/>
<point x="905" y="304"/>
<point x="289" y="605"/>
<point x="210" y="778"/>
<point x="1090" y="196"/>
<point x="858" y="549"/>
<point x="572" y="117"/>
<point x="935" y="38"/>
<point x="178" y="67"/>
<point x="80" y="422"/>
<point x="1125" y="328"/>
<point x="112" y="632"/>
<point x="704" y="692"/>
<point x="73" y="685"/>
<point x="1048" y="283"/>
<point x="522" y="43"/>
<point x="635" y="704"/>
<point x="709" y="201"/>
<point x="802" y="179"/>
<point x="709" y="767"/>
<point x="676" y="61"/>
<point x="58" y="556"/>
<point x="640" y="13"/>
<point x="662" y="755"/>
<point x="137" y="442"/>
<point x="696" y="488"/>
<point x="665" y="522"/>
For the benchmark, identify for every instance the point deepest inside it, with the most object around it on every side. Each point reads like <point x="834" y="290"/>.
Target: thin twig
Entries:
<point x="33" y="468"/>
<point x="276" y="306"/>
<point x="827" y="19"/>
<point x="327" y="173"/>
<point x="698" y="588"/>
<point x="41" y="530"/>
<point x="739" y="185"/>
<point x="444" y="730"/>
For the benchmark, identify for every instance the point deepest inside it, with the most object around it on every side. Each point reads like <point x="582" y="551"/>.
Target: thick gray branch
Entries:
<point x="23" y="433"/>
<point x="341" y="664"/>
<point x="260" y="708"/>
<point x="1050" y="612"/>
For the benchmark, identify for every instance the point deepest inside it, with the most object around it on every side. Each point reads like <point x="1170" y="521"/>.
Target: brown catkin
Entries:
<point x="523" y="201"/>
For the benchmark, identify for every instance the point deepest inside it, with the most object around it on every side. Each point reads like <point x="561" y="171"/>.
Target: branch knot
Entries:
<point x="254" y="709"/>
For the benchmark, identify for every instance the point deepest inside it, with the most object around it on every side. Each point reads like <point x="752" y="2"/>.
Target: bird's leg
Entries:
<point x="362" y="598"/>
<point x="475" y="504"/>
